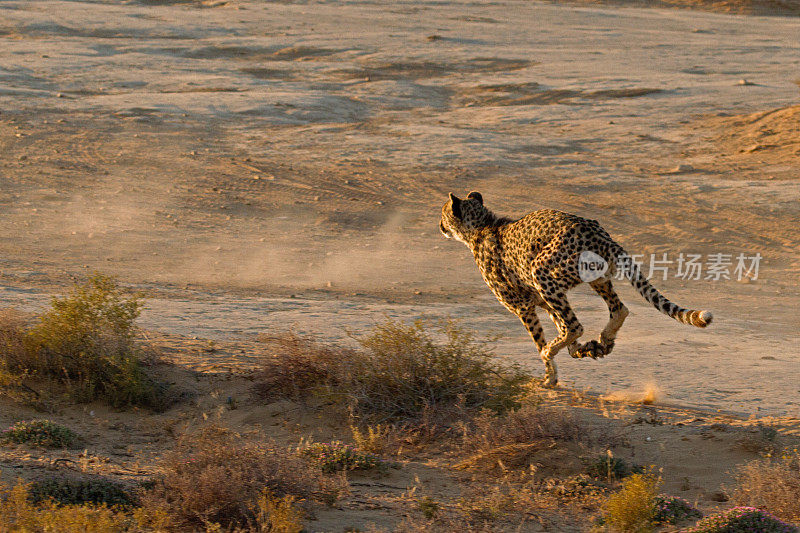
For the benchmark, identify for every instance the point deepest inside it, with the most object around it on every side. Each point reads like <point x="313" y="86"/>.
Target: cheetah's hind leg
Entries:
<point x="617" y="313"/>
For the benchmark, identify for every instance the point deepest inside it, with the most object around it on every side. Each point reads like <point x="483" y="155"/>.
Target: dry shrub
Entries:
<point x="12" y="353"/>
<point x="401" y="373"/>
<point x="772" y="484"/>
<point x="514" y="439"/>
<point x="218" y="477"/>
<point x="633" y="508"/>
<point x="299" y="367"/>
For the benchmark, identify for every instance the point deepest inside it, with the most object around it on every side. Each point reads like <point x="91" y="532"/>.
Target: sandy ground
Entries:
<point x="255" y="166"/>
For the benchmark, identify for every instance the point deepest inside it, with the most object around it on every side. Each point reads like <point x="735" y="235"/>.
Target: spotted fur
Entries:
<point x="532" y="262"/>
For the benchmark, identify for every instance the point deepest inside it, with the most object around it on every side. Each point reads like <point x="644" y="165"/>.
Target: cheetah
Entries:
<point x="532" y="262"/>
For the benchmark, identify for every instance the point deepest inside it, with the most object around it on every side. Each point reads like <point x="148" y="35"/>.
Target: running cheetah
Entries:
<point x="532" y="262"/>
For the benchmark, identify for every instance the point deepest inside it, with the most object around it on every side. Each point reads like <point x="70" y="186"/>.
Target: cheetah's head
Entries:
<point x="459" y="217"/>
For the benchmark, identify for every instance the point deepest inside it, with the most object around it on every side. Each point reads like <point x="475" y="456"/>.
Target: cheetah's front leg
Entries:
<point x="569" y="329"/>
<point x="530" y="319"/>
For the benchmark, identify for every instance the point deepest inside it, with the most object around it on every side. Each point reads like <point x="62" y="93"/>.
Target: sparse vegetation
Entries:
<point x="219" y="477"/>
<point x="39" y="433"/>
<point x="401" y="372"/>
<point x="85" y="341"/>
<point x="772" y="483"/>
<point x="741" y="520"/>
<point x="633" y="508"/>
<point x="336" y="456"/>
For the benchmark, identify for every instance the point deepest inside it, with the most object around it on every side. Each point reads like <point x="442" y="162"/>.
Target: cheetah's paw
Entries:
<point x="591" y="349"/>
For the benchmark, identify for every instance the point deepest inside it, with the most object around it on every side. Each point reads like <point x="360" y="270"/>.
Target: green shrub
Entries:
<point x="401" y="373"/>
<point x="336" y="456"/>
<point x="741" y="520"/>
<point x="611" y="469"/>
<point x="86" y="342"/>
<point x="39" y="433"/>
<point x="633" y="508"/>
<point x="79" y="490"/>
<point x="672" y="509"/>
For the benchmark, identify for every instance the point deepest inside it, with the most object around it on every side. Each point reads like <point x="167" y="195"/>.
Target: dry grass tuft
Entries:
<point x="772" y="484"/>
<point x="218" y="477"/>
<point x="518" y="439"/>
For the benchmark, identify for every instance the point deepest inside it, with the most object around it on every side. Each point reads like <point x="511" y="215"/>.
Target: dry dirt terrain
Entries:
<point x="258" y="166"/>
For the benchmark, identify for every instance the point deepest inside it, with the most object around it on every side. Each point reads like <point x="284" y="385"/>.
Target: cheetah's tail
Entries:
<point x="691" y="317"/>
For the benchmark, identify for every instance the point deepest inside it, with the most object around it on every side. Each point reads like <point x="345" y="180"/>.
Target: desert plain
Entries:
<point x="255" y="167"/>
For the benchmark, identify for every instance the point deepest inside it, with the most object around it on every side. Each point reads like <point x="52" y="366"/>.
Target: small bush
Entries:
<point x="611" y="469"/>
<point x="219" y="477"/>
<point x="772" y="484"/>
<point x="672" y="509"/>
<point x="374" y="438"/>
<point x="86" y="342"/>
<point x="79" y="490"/>
<point x="401" y="373"/>
<point x="428" y="506"/>
<point x="633" y="508"/>
<point x="741" y="520"/>
<point x="336" y="457"/>
<point x="278" y="515"/>
<point x="39" y="433"/>
<point x="19" y="514"/>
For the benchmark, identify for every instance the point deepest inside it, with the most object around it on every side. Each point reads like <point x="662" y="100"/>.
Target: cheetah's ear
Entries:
<point x="456" y="205"/>
<point x="476" y="196"/>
